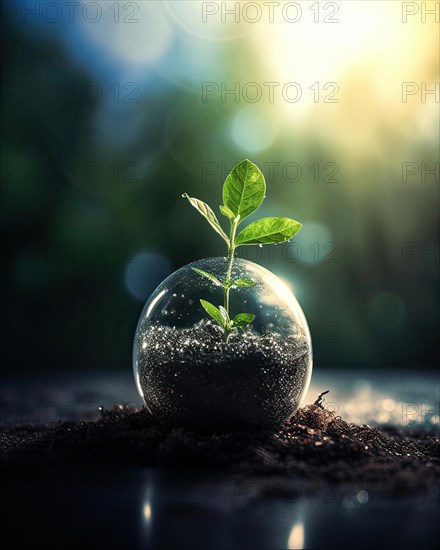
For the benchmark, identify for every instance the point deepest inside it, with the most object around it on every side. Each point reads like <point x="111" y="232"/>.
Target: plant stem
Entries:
<point x="227" y="287"/>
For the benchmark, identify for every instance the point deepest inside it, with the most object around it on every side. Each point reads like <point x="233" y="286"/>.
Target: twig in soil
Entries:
<point x="319" y="401"/>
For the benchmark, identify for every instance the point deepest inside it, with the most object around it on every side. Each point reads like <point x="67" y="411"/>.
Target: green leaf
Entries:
<point x="244" y="189"/>
<point x="227" y="212"/>
<point x="244" y="282"/>
<point x="268" y="231"/>
<point x="207" y="275"/>
<point x="225" y="315"/>
<point x="208" y="214"/>
<point x="242" y="319"/>
<point x="213" y="312"/>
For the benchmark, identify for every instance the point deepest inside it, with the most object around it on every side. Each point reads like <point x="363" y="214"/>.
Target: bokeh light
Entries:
<point x="144" y="273"/>
<point x="251" y="131"/>
<point x="130" y="43"/>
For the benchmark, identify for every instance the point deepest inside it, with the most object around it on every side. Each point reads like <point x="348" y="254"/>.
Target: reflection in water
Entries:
<point x="217" y="510"/>
<point x="296" y="537"/>
<point x="146" y="519"/>
<point x="147" y="512"/>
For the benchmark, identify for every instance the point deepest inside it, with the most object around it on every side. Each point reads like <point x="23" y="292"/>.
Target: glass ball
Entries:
<point x="189" y="376"/>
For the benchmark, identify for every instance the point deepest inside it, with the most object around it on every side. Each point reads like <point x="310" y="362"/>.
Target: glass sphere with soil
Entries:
<point x="222" y="344"/>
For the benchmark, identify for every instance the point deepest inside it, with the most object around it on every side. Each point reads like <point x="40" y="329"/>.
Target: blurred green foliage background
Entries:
<point x="110" y="114"/>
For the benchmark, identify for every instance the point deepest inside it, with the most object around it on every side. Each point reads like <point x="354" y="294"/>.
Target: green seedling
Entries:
<point x="243" y="192"/>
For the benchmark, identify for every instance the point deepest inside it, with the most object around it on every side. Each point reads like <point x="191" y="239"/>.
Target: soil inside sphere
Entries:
<point x="190" y="377"/>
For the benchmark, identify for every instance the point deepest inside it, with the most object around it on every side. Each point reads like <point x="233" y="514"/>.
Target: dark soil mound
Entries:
<point x="313" y="448"/>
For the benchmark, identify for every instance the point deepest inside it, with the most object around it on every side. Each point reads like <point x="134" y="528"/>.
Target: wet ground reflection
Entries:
<point x="120" y="506"/>
<point x="218" y="511"/>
